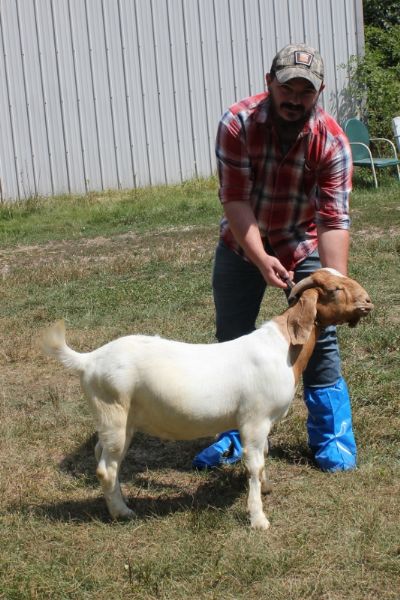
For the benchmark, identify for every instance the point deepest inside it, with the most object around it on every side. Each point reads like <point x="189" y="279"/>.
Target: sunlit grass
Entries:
<point x="125" y="262"/>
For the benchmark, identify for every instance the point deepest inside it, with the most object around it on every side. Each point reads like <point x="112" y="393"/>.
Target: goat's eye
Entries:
<point x="335" y="291"/>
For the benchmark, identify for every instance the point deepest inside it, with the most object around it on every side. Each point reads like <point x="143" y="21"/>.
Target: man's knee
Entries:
<point x="324" y="367"/>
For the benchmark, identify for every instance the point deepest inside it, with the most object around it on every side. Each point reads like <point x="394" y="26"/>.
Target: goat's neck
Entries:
<point x="299" y="355"/>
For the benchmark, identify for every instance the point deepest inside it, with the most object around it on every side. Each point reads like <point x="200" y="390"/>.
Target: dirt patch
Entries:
<point x="35" y="255"/>
<point x="72" y="260"/>
<point x="375" y="233"/>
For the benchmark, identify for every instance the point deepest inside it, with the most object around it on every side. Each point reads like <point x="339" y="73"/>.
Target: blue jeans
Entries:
<point x="239" y="288"/>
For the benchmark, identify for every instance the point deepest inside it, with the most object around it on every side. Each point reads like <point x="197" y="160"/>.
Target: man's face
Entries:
<point x="294" y="100"/>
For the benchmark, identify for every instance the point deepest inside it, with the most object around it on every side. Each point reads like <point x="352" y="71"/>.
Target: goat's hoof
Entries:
<point x="260" y="522"/>
<point x="127" y="515"/>
<point x="124" y="514"/>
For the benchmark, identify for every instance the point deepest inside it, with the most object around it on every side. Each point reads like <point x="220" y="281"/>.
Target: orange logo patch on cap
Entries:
<point x="303" y="58"/>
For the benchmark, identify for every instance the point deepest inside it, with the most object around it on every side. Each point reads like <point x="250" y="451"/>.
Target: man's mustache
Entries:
<point x="294" y="107"/>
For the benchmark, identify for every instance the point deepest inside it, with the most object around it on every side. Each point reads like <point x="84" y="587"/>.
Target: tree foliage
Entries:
<point x="381" y="13"/>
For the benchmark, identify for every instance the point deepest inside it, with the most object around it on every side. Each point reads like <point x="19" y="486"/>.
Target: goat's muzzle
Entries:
<point x="362" y="309"/>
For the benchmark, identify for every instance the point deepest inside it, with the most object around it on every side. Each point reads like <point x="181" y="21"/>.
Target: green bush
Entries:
<point x="383" y="14"/>
<point x="374" y="80"/>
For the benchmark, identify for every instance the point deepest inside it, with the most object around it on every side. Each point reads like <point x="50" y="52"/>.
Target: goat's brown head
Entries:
<point x="327" y="298"/>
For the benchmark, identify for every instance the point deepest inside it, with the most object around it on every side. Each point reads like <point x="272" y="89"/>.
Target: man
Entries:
<point x="285" y="170"/>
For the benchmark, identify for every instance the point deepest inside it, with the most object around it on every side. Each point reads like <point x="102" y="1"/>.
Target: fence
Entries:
<point x="100" y="94"/>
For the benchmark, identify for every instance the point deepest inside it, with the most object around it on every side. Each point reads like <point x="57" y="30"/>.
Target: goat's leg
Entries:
<point x="266" y="485"/>
<point x="98" y="449"/>
<point x="113" y="444"/>
<point x="97" y="453"/>
<point x="253" y="438"/>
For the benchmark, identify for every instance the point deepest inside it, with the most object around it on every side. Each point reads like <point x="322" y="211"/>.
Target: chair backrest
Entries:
<point x="396" y="131"/>
<point x="356" y="131"/>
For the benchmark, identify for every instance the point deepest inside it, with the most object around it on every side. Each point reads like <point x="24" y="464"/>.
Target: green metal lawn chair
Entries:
<point x="359" y="139"/>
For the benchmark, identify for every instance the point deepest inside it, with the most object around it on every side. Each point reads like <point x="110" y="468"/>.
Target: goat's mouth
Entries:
<point x="361" y="311"/>
<point x="364" y="308"/>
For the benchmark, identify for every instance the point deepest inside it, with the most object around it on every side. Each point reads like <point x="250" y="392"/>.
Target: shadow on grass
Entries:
<point x="157" y="477"/>
<point x="219" y="490"/>
<point x="148" y="453"/>
<point x="293" y="454"/>
<point x="145" y="454"/>
<point x="149" y="467"/>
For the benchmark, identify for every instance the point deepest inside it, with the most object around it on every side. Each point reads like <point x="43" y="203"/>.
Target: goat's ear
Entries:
<point x="302" y="316"/>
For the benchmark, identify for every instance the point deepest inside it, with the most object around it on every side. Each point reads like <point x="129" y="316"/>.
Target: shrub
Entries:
<point x="383" y="14"/>
<point x="374" y="80"/>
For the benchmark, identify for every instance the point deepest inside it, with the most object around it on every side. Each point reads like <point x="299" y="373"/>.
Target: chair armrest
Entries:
<point x="364" y="146"/>
<point x="388" y="141"/>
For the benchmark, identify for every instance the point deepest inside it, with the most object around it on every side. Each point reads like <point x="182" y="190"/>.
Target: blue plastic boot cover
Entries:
<point x="330" y="433"/>
<point x="226" y="450"/>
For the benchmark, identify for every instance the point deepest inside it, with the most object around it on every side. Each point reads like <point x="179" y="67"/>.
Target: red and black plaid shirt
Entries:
<point x="290" y="194"/>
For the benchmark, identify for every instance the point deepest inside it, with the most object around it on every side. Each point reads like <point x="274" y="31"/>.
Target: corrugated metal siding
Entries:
<point x="100" y="94"/>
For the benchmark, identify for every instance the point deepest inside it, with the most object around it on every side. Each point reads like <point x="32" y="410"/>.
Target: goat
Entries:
<point x="181" y="391"/>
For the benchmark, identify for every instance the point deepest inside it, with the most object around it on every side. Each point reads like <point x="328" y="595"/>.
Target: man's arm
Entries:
<point x="332" y="215"/>
<point x="333" y="247"/>
<point x="235" y="176"/>
<point x="243" y="225"/>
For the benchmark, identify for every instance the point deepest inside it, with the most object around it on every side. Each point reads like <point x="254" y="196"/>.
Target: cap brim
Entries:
<point x="285" y="75"/>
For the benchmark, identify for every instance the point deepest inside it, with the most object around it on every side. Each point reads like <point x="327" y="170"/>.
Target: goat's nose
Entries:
<point x="368" y="303"/>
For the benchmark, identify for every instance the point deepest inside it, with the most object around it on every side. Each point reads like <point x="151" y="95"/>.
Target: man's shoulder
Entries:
<point x="327" y="139"/>
<point x="252" y="107"/>
<point x="249" y="104"/>
<point x="325" y="123"/>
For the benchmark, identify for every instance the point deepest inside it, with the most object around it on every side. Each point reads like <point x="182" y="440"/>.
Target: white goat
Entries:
<point x="184" y="391"/>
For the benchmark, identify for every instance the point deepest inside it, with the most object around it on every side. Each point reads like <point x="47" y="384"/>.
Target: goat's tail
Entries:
<point x="53" y="343"/>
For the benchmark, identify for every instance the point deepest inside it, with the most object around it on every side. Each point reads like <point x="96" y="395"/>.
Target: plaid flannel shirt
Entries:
<point x="290" y="194"/>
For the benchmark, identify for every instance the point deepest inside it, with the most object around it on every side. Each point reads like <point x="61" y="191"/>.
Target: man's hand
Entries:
<point x="245" y="229"/>
<point x="274" y="272"/>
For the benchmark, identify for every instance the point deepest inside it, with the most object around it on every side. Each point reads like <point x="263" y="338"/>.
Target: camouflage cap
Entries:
<point x="299" y="60"/>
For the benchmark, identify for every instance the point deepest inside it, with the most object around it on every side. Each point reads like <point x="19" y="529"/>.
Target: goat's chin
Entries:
<point x="354" y="322"/>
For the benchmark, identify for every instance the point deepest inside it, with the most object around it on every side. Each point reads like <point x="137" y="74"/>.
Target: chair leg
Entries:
<point x="398" y="172"/>
<point x="374" y="174"/>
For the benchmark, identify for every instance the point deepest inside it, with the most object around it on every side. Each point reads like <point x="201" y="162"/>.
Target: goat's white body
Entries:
<point x="184" y="391"/>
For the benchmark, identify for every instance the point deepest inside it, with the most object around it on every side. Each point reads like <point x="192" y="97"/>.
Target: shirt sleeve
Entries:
<point x="334" y="184"/>
<point x="233" y="161"/>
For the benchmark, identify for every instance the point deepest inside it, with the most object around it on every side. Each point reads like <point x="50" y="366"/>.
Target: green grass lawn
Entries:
<point x="140" y="262"/>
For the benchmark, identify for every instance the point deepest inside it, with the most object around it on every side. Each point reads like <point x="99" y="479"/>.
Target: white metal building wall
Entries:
<point x="99" y="94"/>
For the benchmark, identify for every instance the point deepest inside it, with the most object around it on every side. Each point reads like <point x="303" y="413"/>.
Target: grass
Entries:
<point x="141" y="210"/>
<point x="141" y="261"/>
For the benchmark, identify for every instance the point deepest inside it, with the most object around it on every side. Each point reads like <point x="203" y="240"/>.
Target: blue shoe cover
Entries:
<point x="226" y="450"/>
<point x="330" y="433"/>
